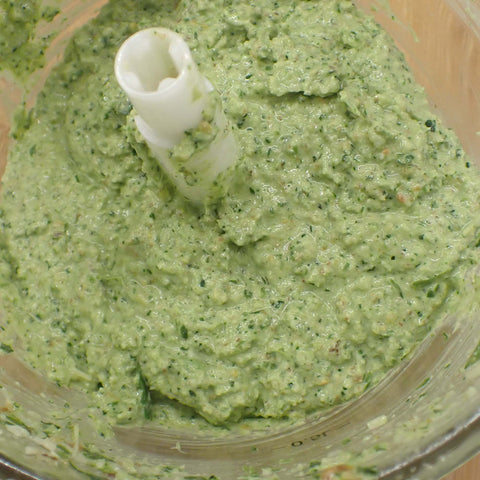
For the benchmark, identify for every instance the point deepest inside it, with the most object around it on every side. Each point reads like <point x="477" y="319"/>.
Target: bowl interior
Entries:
<point x="409" y="421"/>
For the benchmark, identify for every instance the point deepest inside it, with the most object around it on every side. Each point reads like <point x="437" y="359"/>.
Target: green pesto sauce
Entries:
<point x="21" y="50"/>
<point x="351" y="218"/>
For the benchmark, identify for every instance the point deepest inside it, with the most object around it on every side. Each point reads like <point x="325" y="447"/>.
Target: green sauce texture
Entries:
<point x="350" y="221"/>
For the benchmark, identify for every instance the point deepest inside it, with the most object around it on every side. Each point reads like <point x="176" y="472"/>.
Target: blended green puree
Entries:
<point x="350" y="221"/>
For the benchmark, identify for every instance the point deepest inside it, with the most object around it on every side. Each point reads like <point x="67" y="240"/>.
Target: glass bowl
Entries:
<point x="420" y="422"/>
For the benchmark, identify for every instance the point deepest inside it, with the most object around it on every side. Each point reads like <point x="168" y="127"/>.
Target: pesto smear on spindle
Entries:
<point x="351" y="217"/>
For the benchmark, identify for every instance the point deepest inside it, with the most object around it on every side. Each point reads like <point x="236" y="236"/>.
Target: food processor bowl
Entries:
<point x="420" y="422"/>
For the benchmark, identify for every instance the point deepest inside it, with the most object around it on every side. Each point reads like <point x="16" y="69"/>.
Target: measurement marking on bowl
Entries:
<point x="317" y="436"/>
